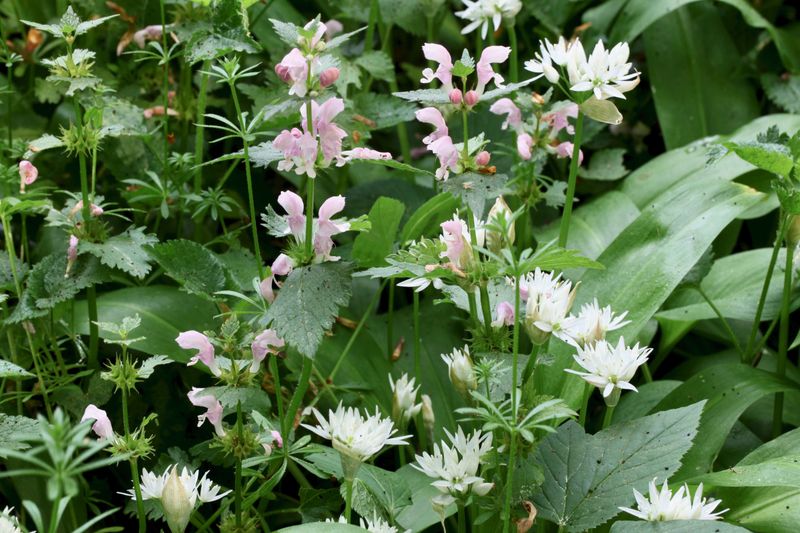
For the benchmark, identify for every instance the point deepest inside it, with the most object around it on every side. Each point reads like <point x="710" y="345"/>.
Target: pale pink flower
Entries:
<point x="326" y="228"/>
<point x="213" y="409"/>
<point x="456" y="96"/>
<point x="439" y="54"/>
<point x="148" y="33"/>
<point x="328" y="77"/>
<point x="505" y="315"/>
<point x="524" y="145"/>
<point x="194" y="340"/>
<point x="558" y="119"/>
<point x="565" y="149"/>
<point x="332" y="28"/>
<point x="158" y="111"/>
<point x="330" y="135"/>
<point x="299" y="151"/>
<point x="294" y="68"/>
<point x="27" y="174"/>
<point x="282" y="266"/>
<point x="265" y="342"/>
<point x="362" y="153"/>
<point x="471" y="98"/>
<point x="94" y="210"/>
<point x="102" y="425"/>
<point x="490" y="55"/>
<point x="319" y="34"/>
<point x="293" y="205"/>
<point x="72" y="253"/>
<point x="447" y="153"/>
<point x="505" y="106"/>
<point x="432" y="116"/>
<point x="482" y="159"/>
<point x="455" y="236"/>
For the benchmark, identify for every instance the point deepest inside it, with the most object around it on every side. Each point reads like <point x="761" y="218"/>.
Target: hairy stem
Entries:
<point x="199" y="135"/>
<point x="563" y="233"/>
<point x="512" y="42"/>
<point x="297" y="398"/>
<point x="783" y="340"/>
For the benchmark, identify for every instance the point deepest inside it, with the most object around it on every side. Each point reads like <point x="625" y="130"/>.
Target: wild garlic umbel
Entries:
<point x="398" y="266"/>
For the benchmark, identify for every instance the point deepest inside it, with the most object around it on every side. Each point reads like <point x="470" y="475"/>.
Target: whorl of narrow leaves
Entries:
<point x="307" y="304"/>
<point x="191" y="264"/>
<point x="587" y="477"/>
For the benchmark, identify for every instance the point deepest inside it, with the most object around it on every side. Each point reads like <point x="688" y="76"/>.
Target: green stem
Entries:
<point x="297" y="397"/>
<point x="587" y="393"/>
<point x="607" y="416"/>
<point x="512" y="42"/>
<point x="249" y="176"/>
<point x="462" y="520"/>
<point x="417" y="340"/>
<point x="473" y="306"/>
<point x="390" y="321"/>
<point x="512" y="459"/>
<point x="276" y="378"/>
<point x="563" y="233"/>
<point x="725" y="324"/>
<point x="238" y="493"/>
<point x="783" y="341"/>
<point x="527" y="372"/>
<point x="465" y="128"/>
<point x="748" y="354"/>
<point x="373" y="20"/>
<point x="348" y="500"/>
<point x="165" y="81"/>
<point x="199" y="134"/>
<point x="9" y="102"/>
<point x="515" y="354"/>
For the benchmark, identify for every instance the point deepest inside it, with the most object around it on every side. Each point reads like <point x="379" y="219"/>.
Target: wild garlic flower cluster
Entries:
<point x="9" y="522"/>
<point x="461" y="370"/>
<point x="610" y="367"/>
<point x="376" y="524"/>
<point x="178" y="493"/>
<point x="455" y="466"/>
<point x="356" y="436"/>
<point x="603" y="74"/>
<point x="662" y="505"/>
<point x="404" y="398"/>
<point x="485" y="14"/>
<point x="457" y="157"/>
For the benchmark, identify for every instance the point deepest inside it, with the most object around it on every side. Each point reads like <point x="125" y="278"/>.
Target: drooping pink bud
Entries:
<point x="328" y="77"/>
<point x="283" y="72"/>
<point x="266" y="342"/>
<point x="471" y="98"/>
<point x="456" y="96"/>
<point x="194" y="340"/>
<point x="72" y="253"/>
<point x="102" y="425"/>
<point x="483" y="158"/>
<point x="213" y="406"/>
<point x="27" y="174"/>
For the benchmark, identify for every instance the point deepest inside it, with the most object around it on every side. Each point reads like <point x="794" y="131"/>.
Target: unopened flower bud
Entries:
<point x="460" y="370"/>
<point x="27" y="174"/>
<point x="483" y="158"/>
<point x="328" y="77"/>
<point x="500" y="215"/>
<point x="793" y="231"/>
<point x="283" y="72"/>
<point x="456" y="97"/>
<point x="177" y="503"/>
<point x="72" y="253"/>
<point x="471" y="98"/>
<point x="428" y="418"/>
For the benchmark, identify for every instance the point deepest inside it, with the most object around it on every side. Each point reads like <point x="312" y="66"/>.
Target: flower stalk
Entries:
<point x="563" y="232"/>
<point x="783" y="339"/>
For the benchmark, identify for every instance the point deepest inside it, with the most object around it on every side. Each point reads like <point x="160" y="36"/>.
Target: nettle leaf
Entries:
<point x="307" y="304"/>
<point x="425" y="96"/>
<point x="587" y="477"/>
<point x="506" y="89"/>
<point x="15" y="430"/>
<point x="391" y="163"/>
<point x="409" y="14"/>
<point x="378" y="64"/>
<point x="476" y="189"/>
<point x="275" y="224"/>
<point x="149" y="365"/>
<point x="240" y="268"/>
<point x="126" y="251"/>
<point x="228" y="33"/>
<point x="75" y="85"/>
<point x="371" y="247"/>
<point x="605" y="165"/>
<point x="288" y="32"/>
<point x="10" y="370"/>
<point x="772" y="157"/>
<point x="6" y="274"/>
<point x="250" y="398"/>
<point x="783" y="91"/>
<point x="45" y="142"/>
<point x="191" y="264"/>
<point x="383" y="110"/>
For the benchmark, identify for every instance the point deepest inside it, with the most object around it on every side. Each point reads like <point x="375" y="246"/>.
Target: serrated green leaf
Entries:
<point x="506" y="89"/>
<point x="384" y="110"/>
<point x="371" y="247"/>
<point x="378" y="64"/>
<point x="605" y="165"/>
<point x="15" y="430"/>
<point x="191" y="264"/>
<point x="425" y="96"/>
<point x="45" y="142"/>
<point x="588" y="477"/>
<point x="240" y="268"/>
<point x="772" y="157"/>
<point x="125" y="251"/>
<point x="227" y="33"/>
<point x="10" y="370"/>
<point x="307" y="304"/>
<point x="783" y="91"/>
<point x="149" y="365"/>
<point x="250" y="398"/>
<point x="475" y="190"/>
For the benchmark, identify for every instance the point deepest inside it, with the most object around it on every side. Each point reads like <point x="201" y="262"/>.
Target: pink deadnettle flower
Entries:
<point x="328" y="77"/>
<point x="455" y="236"/>
<point x="72" y="253"/>
<point x="434" y="117"/>
<point x="444" y="72"/>
<point x="330" y="135"/>
<point x="332" y="28"/>
<point x="483" y="158"/>
<point x="299" y="151"/>
<point x="293" y="205"/>
<point x="565" y="149"/>
<point x="148" y="33"/>
<point x="300" y="148"/>
<point x="194" y="340"/>
<point x="213" y="409"/>
<point x="94" y="210"/>
<point x="265" y="342"/>
<point x="524" y="145"/>
<point x="293" y="69"/>
<point x="505" y="315"/>
<point x="326" y="228"/>
<point x="558" y="119"/>
<point x="282" y="266"/>
<point x="102" y="425"/>
<point x="447" y="153"/>
<point x="505" y="106"/>
<point x="486" y="74"/>
<point x="27" y="174"/>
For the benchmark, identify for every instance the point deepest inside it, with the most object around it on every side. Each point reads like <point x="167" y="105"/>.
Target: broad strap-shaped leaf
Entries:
<point x="371" y="247"/>
<point x="10" y="370"/>
<point x="605" y="165"/>
<point x="307" y="304"/>
<point x="191" y="264"/>
<point x="125" y="251"/>
<point x="586" y="478"/>
<point x="676" y="526"/>
<point x="426" y="219"/>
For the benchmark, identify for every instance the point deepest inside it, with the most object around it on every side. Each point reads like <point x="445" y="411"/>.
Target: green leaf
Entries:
<point x="784" y="91"/>
<point x="322" y="527"/>
<point x="250" y="398"/>
<point x="772" y="157"/>
<point x="426" y="219"/>
<point x="227" y="33"/>
<point x="377" y="64"/>
<point x="734" y="285"/>
<point x="240" y="268"/>
<point x="694" y="68"/>
<point x="475" y="190"/>
<point x="505" y="90"/>
<point x="15" y="430"/>
<point x="149" y="365"/>
<point x="605" y="165"/>
<point x="165" y="312"/>
<point x="780" y="472"/>
<point x="191" y="264"/>
<point x="730" y="389"/>
<point x="10" y="370"/>
<point x="45" y="142"/>
<point x="425" y="96"/>
<point x="601" y="110"/>
<point x="675" y="526"/>
<point x="384" y="110"/>
<point x="371" y="247"/>
<point x="125" y="251"/>
<point x="586" y="478"/>
<point x="391" y="163"/>
<point x="307" y="304"/>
